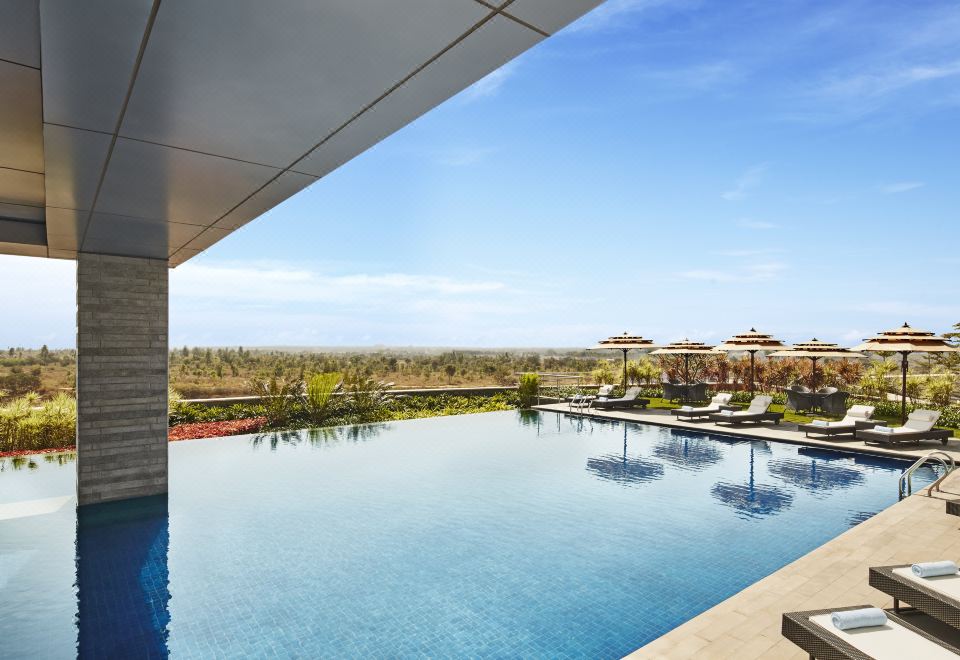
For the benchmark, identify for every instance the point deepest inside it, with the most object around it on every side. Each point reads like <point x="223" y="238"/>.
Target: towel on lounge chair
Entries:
<point x="820" y="422"/>
<point x="686" y="407"/>
<point x="934" y="568"/>
<point x="865" y="618"/>
<point x="883" y="429"/>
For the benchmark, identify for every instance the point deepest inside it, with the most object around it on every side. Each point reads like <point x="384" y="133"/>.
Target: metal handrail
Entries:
<point x="907" y="476"/>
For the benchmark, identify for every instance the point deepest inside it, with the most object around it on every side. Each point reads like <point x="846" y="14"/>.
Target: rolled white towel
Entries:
<point x="883" y="429"/>
<point x="728" y="413"/>
<point x="862" y="618"/>
<point x="819" y="422"/>
<point x="686" y="407"/>
<point x="934" y="568"/>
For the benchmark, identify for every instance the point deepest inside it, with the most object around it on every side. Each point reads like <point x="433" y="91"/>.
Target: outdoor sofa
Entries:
<point x="897" y="639"/>
<point x="857" y="417"/>
<point x="719" y="402"/>
<point x="756" y="412"/>
<point x="630" y="399"/>
<point x="918" y="427"/>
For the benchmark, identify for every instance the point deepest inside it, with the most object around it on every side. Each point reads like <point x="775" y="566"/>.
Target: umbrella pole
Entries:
<point x="625" y="382"/>
<point x="686" y="368"/>
<point x="903" y="388"/>
<point x="813" y="375"/>
<point x="752" y="354"/>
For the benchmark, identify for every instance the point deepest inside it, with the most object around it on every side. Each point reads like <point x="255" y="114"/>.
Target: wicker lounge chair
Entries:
<point x="938" y="597"/>
<point x="858" y="417"/>
<point x="628" y="400"/>
<point x="919" y="426"/>
<point x="718" y="403"/>
<point x="757" y="412"/>
<point x="897" y="640"/>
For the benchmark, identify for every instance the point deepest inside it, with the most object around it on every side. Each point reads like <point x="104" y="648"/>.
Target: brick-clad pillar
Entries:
<point x="121" y="377"/>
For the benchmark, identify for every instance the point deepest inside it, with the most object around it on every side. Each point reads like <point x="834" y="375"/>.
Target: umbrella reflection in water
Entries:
<point x="687" y="451"/>
<point x="752" y="500"/>
<point x="816" y="470"/>
<point x="624" y="470"/>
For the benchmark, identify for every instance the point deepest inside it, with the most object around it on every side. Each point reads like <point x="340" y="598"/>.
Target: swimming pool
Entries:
<point x="495" y="535"/>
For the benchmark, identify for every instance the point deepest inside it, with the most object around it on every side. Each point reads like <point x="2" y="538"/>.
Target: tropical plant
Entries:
<point x="279" y="397"/>
<point x="938" y="389"/>
<point x="528" y="388"/>
<point x="366" y="397"/>
<point x="643" y="371"/>
<point x="319" y="394"/>
<point x="603" y="374"/>
<point x="873" y="383"/>
<point x="26" y="423"/>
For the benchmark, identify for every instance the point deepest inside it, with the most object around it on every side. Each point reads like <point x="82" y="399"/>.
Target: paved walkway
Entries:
<point x="747" y="625"/>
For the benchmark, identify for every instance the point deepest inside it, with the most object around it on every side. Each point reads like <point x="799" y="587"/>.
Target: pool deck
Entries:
<point x="747" y="625"/>
<point x="783" y="432"/>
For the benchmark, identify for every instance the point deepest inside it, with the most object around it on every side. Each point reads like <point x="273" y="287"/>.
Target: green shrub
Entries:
<point x="938" y="390"/>
<point x="319" y="395"/>
<point x="26" y="423"/>
<point x="279" y="396"/>
<point x="528" y="389"/>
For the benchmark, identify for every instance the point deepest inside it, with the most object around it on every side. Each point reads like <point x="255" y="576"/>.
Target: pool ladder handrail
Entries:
<point x="907" y="477"/>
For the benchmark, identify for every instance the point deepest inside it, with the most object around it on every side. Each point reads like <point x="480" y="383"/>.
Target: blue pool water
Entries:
<point x="497" y="535"/>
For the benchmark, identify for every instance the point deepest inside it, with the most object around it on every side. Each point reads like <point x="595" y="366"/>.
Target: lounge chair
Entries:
<point x="919" y="426"/>
<point x="757" y="412"/>
<point x="584" y="401"/>
<point x="858" y="417"/>
<point x="717" y="403"/>
<point x="938" y="596"/>
<point x="896" y="640"/>
<point x="628" y="400"/>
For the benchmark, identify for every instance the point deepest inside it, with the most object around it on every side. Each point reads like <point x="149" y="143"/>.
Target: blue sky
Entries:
<point x="668" y="167"/>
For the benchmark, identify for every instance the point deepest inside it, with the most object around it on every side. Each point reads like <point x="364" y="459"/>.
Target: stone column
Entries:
<point x="121" y="378"/>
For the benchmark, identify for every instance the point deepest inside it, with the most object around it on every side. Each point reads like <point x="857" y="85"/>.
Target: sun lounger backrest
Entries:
<point x="605" y="390"/>
<point x="922" y="420"/>
<point x="632" y="393"/>
<point x="857" y="413"/>
<point x="760" y="404"/>
<point x="721" y="399"/>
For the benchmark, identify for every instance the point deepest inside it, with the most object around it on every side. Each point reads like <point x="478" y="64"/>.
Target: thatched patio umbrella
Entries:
<point x="751" y="499"/>
<point x="751" y="342"/>
<point x="906" y="340"/>
<point x="624" y="470"/>
<point x="686" y="348"/>
<point x="816" y="350"/>
<point x="626" y="343"/>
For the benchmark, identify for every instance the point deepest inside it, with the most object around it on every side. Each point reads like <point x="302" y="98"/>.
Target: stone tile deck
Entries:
<point x="747" y="625"/>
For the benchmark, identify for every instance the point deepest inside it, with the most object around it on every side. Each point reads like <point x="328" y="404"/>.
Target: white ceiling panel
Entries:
<point x="182" y="256"/>
<point x="20" y="32"/>
<point x="21" y="212"/>
<point x="22" y="188"/>
<point x="551" y="15"/>
<point x="74" y="162"/>
<point x="284" y="186"/>
<point x="21" y="131"/>
<point x="263" y="81"/>
<point x="492" y="45"/>
<point x="65" y="228"/>
<point x="89" y="49"/>
<point x="114" y="234"/>
<point x="150" y="181"/>
<point x="207" y="238"/>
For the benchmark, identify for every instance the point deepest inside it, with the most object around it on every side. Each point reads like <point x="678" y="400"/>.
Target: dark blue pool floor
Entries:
<point x="496" y="535"/>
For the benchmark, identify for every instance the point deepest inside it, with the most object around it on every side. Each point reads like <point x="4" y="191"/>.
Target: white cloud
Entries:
<point x="762" y="272"/>
<point x="274" y="284"/>
<point x="763" y="225"/>
<point x="464" y="156"/>
<point x="902" y="310"/>
<point x="900" y="187"/>
<point x="746" y="182"/>
<point x="491" y="84"/>
<point x="883" y="82"/>
<point x="759" y="252"/>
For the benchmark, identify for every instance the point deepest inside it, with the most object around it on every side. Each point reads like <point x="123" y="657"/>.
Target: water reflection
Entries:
<point x="687" y="451"/>
<point x="318" y="437"/>
<point x="624" y="470"/>
<point x="123" y="580"/>
<point x="815" y="475"/>
<point x="753" y="500"/>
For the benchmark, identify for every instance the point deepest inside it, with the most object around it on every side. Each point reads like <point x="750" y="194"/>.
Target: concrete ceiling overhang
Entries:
<point x="154" y="128"/>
